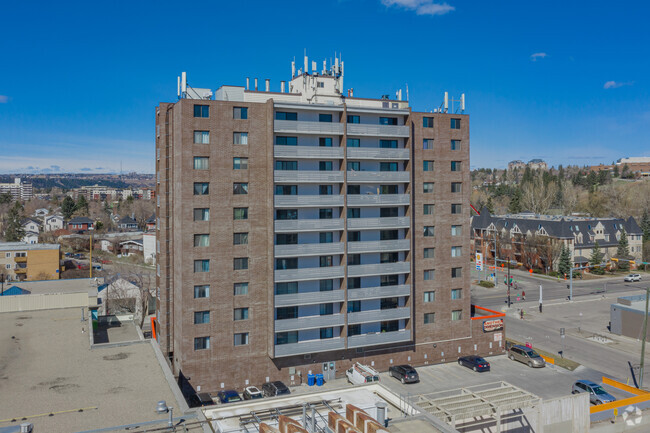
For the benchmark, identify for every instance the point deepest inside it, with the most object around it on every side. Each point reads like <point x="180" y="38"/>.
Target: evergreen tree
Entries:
<point x="615" y="173"/>
<point x="6" y="198"/>
<point x="623" y="252"/>
<point x="81" y="207"/>
<point x="564" y="266"/>
<point x="645" y="225"/>
<point x="490" y="206"/>
<point x="596" y="259"/>
<point x="68" y="207"/>
<point x="515" y="202"/>
<point x="14" y="231"/>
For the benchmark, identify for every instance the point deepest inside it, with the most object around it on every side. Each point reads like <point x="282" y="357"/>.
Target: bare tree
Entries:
<point x="548" y="250"/>
<point x="135" y="296"/>
<point x="569" y="198"/>
<point x="537" y="197"/>
<point x="142" y="210"/>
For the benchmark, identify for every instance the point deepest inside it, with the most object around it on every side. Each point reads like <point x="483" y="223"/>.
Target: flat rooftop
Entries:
<point x="47" y="366"/>
<point x="23" y="246"/>
<point x="73" y="285"/>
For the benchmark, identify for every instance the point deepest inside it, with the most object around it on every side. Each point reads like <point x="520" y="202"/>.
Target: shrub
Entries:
<point x="487" y="284"/>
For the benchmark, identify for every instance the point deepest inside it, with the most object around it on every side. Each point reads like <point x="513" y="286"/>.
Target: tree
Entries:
<point x="133" y="300"/>
<point x="564" y="267"/>
<point x="615" y="173"/>
<point x="14" y="231"/>
<point x="81" y="207"/>
<point x="490" y="206"/>
<point x="596" y="259"/>
<point x="515" y="202"/>
<point x="68" y="207"/>
<point x="537" y="197"/>
<point x="549" y="250"/>
<point x="6" y="198"/>
<point x="645" y="225"/>
<point x="623" y="252"/>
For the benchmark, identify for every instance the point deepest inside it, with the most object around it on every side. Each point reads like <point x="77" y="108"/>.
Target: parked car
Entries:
<point x="597" y="395"/>
<point x="201" y="399"/>
<point x="526" y="355"/>
<point x="474" y="362"/>
<point x="252" y="393"/>
<point x="632" y="278"/>
<point x="228" y="396"/>
<point x="271" y="389"/>
<point x="404" y="373"/>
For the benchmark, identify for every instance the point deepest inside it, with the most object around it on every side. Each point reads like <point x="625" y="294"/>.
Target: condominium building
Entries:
<point x="19" y="190"/>
<point x="302" y="231"/>
<point x="21" y="261"/>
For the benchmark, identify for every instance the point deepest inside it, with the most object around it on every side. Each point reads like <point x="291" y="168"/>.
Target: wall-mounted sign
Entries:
<point x="492" y="325"/>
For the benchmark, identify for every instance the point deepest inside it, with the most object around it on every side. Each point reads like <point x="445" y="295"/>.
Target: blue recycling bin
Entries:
<point x="311" y="379"/>
<point x="319" y="380"/>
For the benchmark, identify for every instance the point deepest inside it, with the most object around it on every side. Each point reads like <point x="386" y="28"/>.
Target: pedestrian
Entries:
<point x="521" y="314"/>
<point x="523" y="295"/>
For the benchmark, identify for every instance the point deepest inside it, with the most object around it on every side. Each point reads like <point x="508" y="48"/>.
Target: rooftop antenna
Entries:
<point x="462" y="103"/>
<point x="306" y="62"/>
<point x="183" y="84"/>
<point x="178" y="87"/>
<point x="446" y="102"/>
<point x="407" y="91"/>
<point x="293" y="68"/>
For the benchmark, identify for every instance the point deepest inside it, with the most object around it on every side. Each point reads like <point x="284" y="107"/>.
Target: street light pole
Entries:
<point x="645" y="329"/>
<point x="508" y="280"/>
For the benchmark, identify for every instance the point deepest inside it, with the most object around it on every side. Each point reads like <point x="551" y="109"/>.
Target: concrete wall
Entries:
<point x="44" y="301"/>
<point x="568" y="414"/>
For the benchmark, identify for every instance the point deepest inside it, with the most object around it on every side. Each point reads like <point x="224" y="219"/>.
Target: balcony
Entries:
<point x="300" y="127"/>
<point x="309" y="322"/>
<point x="378" y="130"/>
<point x="377" y="269"/>
<point x="379" y="223"/>
<point x="377" y="153"/>
<point x="307" y="176"/>
<point x="310" y="346"/>
<point x="20" y="270"/>
<point x="308" y="225"/>
<point x="308" y="152"/>
<point x="379" y="292"/>
<point x="379" y="246"/>
<point x="309" y="298"/>
<point x="293" y="201"/>
<point x="378" y="338"/>
<point x="379" y="177"/>
<point x="303" y="250"/>
<point x="379" y="200"/>
<point x="20" y="259"/>
<point x="369" y="316"/>
<point x="309" y="274"/>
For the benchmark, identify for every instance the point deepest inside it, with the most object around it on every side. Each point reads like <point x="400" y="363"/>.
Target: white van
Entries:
<point x="360" y="374"/>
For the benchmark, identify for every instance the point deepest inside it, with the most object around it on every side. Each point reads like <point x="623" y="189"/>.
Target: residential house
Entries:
<point x="127" y="223"/>
<point x="31" y="225"/>
<point x="129" y="247"/>
<point x="81" y="224"/>
<point x="41" y="213"/>
<point x="30" y="238"/>
<point x="150" y="223"/>
<point x="149" y="248"/>
<point x="53" y="222"/>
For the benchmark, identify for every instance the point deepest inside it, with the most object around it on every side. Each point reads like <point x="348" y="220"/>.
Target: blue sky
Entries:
<point x="564" y="81"/>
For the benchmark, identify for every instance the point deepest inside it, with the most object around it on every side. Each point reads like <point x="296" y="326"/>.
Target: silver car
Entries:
<point x="632" y="278"/>
<point x="526" y="355"/>
<point x="597" y="395"/>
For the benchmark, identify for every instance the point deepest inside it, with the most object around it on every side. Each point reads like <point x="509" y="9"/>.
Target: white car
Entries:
<point x="633" y="277"/>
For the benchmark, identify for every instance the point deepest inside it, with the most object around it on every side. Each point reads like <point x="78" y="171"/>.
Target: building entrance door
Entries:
<point x="329" y="370"/>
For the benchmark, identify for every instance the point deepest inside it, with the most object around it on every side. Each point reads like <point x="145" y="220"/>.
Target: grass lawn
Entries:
<point x="559" y="361"/>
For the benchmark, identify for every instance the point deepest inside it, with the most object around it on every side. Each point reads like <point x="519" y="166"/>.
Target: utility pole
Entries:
<point x="540" y="298"/>
<point x="645" y="329"/>
<point x="91" y="256"/>
<point x="508" y="280"/>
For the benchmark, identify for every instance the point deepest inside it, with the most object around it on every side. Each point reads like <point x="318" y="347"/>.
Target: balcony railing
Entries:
<point x="300" y="127"/>
<point x="369" y="316"/>
<point x="379" y="292"/>
<point x="377" y="153"/>
<point x="309" y="298"/>
<point x="378" y="223"/>
<point x="308" y="152"/>
<point x="379" y="246"/>
<point x="309" y="322"/>
<point x="379" y="338"/>
<point x="379" y="199"/>
<point x="379" y="177"/>
<point x="307" y="176"/>
<point x="310" y="346"/>
<point x="300" y="250"/>
<point x="308" y="225"/>
<point x="291" y="201"/>
<point x="20" y="270"/>
<point x="378" y="130"/>
<point x="20" y="259"/>
<point x="378" y="269"/>
<point x="309" y="274"/>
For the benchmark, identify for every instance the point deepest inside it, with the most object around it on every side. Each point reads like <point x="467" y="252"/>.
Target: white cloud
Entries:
<point x="421" y="7"/>
<point x="536" y="56"/>
<point x="616" y="85"/>
<point x="4" y="99"/>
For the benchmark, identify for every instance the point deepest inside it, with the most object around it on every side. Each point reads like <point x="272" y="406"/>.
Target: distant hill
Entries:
<point x="75" y="180"/>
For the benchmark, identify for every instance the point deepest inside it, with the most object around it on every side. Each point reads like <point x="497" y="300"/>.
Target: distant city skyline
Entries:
<point x="561" y="82"/>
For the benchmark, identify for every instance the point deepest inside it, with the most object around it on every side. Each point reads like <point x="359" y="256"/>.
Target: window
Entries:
<point x="201" y="266"/>
<point x="456" y="294"/>
<point x="283" y="313"/>
<point x="289" y="263"/>
<point x="201" y="188"/>
<point x="354" y="189"/>
<point x="428" y="231"/>
<point x="201" y="111"/>
<point x="430" y="296"/>
<point x="456" y="314"/>
<point x="353" y="119"/>
<point x="388" y="280"/>
<point x="455" y="144"/>
<point x="286" y="141"/>
<point x="354" y="142"/>
<point x="429" y="274"/>
<point x="427" y="122"/>
<point x="325" y="189"/>
<point x="456" y="230"/>
<point x="240" y="289"/>
<point x="286" y="238"/>
<point x="286" y="189"/>
<point x="240" y="163"/>
<point x="240" y="188"/>
<point x="388" y="303"/>
<point x="202" y="214"/>
<point x="201" y="317"/>
<point x="391" y="326"/>
<point x="201" y="343"/>
<point x="201" y="240"/>
<point x="427" y="187"/>
<point x="427" y="144"/>
<point x="281" y="115"/>
<point x="286" y="214"/>
<point x="325" y="142"/>
<point x="241" y="339"/>
<point x="456" y="251"/>
<point x="388" y="144"/>
<point x="427" y="209"/>
<point x="388" y="166"/>
<point x="354" y="259"/>
<point x="286" y="165"/>
<point x="326" y="309"/>
<point x="455" y="124"/>
<point x="240" y="138"/>
<point x="201" y="291"/>
<point x="354" y="165"/>
<point x="354" y="212"/>
<point x="354" y="306"/>
<point x="427" y="165"/>
<point x="388" y="189"/>
<point x="456" y="165"/>
<point x="456" y="208"/>
<point x="286" y="337"/>
<point x="240" y="239"/>
<point x="240" y="113"/>
<point x="392" y="257"/>
<point x="240" y="213"/>
<point x="240" y="263"/>
<point x="325" y="214"/>
<point x="354" y="330"/>
<point x="286" y="288"/>
<point x="326" y="237"/>
<point x="240" y="314"/>
<point x="388" y="120"/>
<point x="326" y="261"/>
<point x="354" y="283"/>
<point x="201" y="137"/>
<point x="326" y="333"/>
<point x="429" y="253"/>
<point x="201" y="163"/>
<point x="324" y="117"/>
<point x="354" y="236"/>
<point x="325" y="165"/>
<point x="388" y="235"/>
<point x="456" y="272"/>
<point x="429" y="318"/>
<point x="456" y="187"/>
<point x="326" y="285"/>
